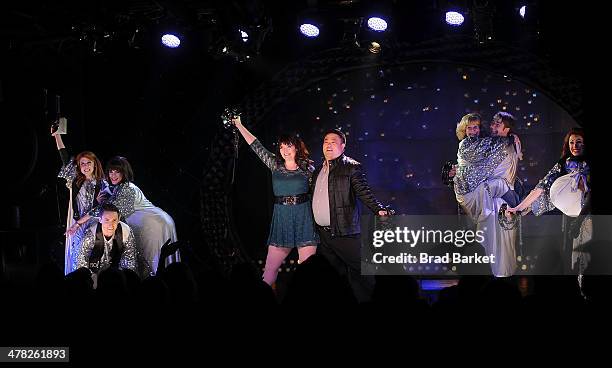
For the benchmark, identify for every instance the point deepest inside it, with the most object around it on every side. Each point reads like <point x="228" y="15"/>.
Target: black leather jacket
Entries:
<point x="346" y="183"/>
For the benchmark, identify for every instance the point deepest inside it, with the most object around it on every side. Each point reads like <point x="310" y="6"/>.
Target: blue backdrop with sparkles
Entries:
<point x="400" y="124"/>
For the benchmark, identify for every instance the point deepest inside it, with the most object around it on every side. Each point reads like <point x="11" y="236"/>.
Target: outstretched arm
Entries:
<point x="58" y="139"/>
<point x="248" y="137"/>
<point x="77" y="225"/>
<point x="364" y="192"/>
<point x="540" y="194"/>
<point x="63" y="152"/>
<point x="267" y="157"/>
<point x="532" y="197"/>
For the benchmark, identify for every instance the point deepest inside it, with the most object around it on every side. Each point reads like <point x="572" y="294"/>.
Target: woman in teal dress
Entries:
<point x="292" y="223"/>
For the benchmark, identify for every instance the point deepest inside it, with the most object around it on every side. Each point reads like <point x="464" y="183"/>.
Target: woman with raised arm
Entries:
<point x="152" y="226"/>
<point x="85" y="181"/>
<point x="292" y="223"/>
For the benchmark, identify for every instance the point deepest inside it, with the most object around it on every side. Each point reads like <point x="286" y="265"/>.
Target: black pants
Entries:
<point x="344" y="254"/>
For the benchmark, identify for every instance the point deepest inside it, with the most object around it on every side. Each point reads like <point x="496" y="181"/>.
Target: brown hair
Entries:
<point x="565" y="151"/>
<point x="301" y="152"/>
<point x="98" y="171"/>
<point x="508" y="119"/>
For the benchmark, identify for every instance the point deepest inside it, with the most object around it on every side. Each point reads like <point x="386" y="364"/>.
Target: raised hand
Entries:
<point x="230" y="117"/>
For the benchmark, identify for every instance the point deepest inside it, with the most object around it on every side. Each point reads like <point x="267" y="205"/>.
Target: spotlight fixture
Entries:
<point x="309" y="30"/>
<point x="454" y="18"/>
<point x="377" y="24"/>
<point x="171" y="41"/>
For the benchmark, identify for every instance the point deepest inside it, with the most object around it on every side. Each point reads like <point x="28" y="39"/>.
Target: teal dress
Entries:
<point x="292" y="225"/>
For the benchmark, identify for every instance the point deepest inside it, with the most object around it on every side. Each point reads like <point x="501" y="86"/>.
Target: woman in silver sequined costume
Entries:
<point x="85" y="185"/>
<point x="486" y="171"/>
<point x="152" y="226"/>
<point x="565" y="187"/>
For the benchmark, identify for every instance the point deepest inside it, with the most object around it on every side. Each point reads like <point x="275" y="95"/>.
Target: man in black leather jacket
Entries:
<point x="336" y="186"/>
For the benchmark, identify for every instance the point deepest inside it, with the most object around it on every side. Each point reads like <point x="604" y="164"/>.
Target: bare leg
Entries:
<point x="276" y="256"/>
<point x="305" y="252"/>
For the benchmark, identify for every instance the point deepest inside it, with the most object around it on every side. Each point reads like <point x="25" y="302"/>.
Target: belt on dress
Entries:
<point x="291" y="200"/>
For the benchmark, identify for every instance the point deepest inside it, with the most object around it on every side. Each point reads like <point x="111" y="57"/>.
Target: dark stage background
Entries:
<point x="160" y="107"/>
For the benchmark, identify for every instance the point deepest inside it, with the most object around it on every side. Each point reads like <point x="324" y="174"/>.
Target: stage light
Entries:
<point x="522" y="11"/>
<point x="377" y="24"/>
<point x="243" y="35"/>
<point x="454" y="18"/>
<point x="374" y="47"/>
<point x="309" y="30"/>
<point x="171" y="41"/>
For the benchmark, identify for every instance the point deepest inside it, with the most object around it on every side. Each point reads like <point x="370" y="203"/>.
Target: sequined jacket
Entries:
<point x="68" y="172"/>
<point x="128" y="256"/>
<point x="347" y="182"/>
<point x="123" y="196"/>
<point x="476" y="160"/>
<point x="569" y="165"/>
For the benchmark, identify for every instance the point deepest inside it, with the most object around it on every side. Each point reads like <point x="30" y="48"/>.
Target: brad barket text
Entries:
<point x="425" y="258"/>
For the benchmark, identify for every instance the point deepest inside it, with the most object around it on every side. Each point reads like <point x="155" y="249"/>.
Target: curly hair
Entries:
<point x="565" y="151"/>
<point x="465" y="121"/>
